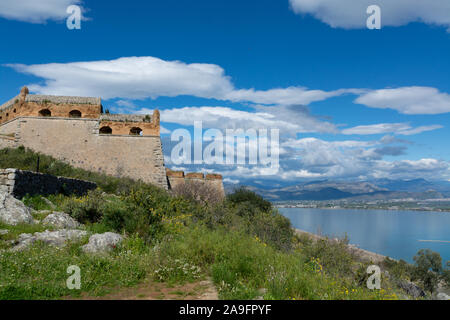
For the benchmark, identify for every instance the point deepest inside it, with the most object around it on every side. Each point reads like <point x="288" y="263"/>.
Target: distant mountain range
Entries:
<point x="380" y="189"/>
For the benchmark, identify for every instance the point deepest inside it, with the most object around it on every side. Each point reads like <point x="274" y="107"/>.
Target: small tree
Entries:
<point x="243" y="195"/>
<point x="428" y="268"/>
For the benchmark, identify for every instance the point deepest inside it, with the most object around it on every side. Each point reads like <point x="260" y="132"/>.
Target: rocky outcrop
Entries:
<point x="60" y="220"/>
<point x="101" y="243"/>
<point x="411" y="289"/>
<point x="13" y="211"/>
<point x="54" y="238"/>
<point x="442" y="296"/>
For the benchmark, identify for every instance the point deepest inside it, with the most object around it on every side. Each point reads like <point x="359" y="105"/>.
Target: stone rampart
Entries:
<point x="20" y="183"/>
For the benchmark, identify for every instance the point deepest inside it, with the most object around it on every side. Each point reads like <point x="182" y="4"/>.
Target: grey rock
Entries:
<point x="13" y="211"/>
<point x="3" y="232"/>
<point x="411" y="289"/>
<point x="100" y="243"/>
<point x="54" y="238"/>
<point x="60" y="220"/>
<point x="442" y="296"/>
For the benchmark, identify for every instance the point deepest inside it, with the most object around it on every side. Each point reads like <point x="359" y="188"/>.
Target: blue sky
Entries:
<point x="351" y="103"/>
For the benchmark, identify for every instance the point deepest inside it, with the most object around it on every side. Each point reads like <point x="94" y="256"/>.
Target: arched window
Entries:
<point x="105" y="130"/>
<point x="135" y="131"/>
<point x="45" y="113"/>
<point x="75" y="114"/>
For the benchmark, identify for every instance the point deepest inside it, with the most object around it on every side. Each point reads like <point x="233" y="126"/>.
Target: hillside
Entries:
<point x="241" y="243"/>
<point x="383" y="189"/>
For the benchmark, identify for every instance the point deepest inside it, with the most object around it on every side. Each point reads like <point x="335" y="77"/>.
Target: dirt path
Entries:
<point x="203" y="290"/>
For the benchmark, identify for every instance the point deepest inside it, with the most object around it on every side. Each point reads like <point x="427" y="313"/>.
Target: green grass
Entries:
<point x="41" y="272"/>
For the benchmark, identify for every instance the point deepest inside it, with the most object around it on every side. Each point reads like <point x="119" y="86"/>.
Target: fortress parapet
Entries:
<point x="33" y="105"/>
<point x="130" y="124"/>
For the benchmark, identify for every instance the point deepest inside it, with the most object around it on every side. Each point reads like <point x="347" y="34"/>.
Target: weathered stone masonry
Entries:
<point x="177" y="178"/>
<point x="72" y="129"/>
<point x="19" y="183"/>
<point x="77" y="131"/>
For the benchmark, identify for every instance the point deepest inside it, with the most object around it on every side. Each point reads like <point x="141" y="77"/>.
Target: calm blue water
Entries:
<point x="391" y="233"/>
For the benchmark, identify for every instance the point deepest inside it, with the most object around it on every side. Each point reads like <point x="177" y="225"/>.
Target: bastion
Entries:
<point x="78" y="131"/>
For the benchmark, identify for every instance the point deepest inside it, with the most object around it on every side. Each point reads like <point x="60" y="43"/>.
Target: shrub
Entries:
<point x="428" y="268"/>
<point x="86" y="209"/>
<point x="332" y="254"/>
<point x="198" y="191"/>
<point x="243" y="195"/>
<point x="272" y="228"/>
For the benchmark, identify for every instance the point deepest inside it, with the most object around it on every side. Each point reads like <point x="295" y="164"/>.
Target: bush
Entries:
<point x="86" y="209"/>
<point x="333" y="255"/>
<point x="428" y="268"/>
<point x="198" y="191"/>
<point x="243" y="195"/>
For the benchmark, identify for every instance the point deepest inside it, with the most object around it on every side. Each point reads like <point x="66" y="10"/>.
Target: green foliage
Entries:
<point x="399" y="269"/>
<point x="428" y="268"/>
<point x="243" y="243"/>
<point x="243" y="195"/>
<point x="40" y="273"/>
<point x="241" y="265"/>
<point x="86" y="209"/>
<point x="36" y="202"/>
<point x="333" y="255"/>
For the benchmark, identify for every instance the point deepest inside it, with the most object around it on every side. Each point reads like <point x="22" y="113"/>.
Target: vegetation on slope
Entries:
<point x="242" y="243"/>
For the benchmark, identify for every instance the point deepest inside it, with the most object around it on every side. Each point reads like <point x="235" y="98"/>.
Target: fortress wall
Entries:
<point x="8" y="135"/>
<point x="123" y="128"/>
<point x="20" y="183"/>
<point x="77" y="142"/>
<point x="179" y="178"/>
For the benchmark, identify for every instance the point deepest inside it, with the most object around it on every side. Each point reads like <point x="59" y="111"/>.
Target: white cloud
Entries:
<point x="353" y="159"/>
<point x="408" y="100"/>
<point x="420" y="129"/>
<point x="383" y="128"/>
<point x="286" y="96"/>
<point x="35" y="11"/>
<point x="351" y="14"/>
<point x="149" y="77"/>
<point x="227" y="118"/>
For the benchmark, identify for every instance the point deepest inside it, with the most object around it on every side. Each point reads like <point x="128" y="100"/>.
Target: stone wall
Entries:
<point x="78" y="142"/>
<point x="31" y="105"/>
<point x="20" y="183"/>
<point x="177" y="178"/>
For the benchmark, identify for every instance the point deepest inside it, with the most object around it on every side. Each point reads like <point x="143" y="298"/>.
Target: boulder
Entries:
<point x="3" y="232"/>
<point x="100" y="243"/>
<point x="13" y="211"/>
<point x="54" y="238"/>
<point x="442" y="296"/>
<point x="60" y="220"/>
<point x="411" y="289"/>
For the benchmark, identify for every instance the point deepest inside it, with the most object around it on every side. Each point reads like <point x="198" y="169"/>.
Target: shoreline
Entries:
<point x="366" y="209"/>
<point x="362" y="254"/>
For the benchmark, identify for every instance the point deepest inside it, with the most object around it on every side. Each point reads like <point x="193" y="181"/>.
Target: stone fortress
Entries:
<point x="76" y="130"/>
